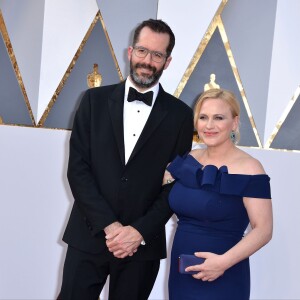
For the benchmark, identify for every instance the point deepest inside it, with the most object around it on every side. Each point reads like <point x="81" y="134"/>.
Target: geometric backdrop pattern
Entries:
<point x="47" y="50"/>
<point x="220" y="49"/>
<point x="288" y="133"/>
<point x="214" y="60"/>
<point x="14" y="105"/>
<point x="96" y="50"/>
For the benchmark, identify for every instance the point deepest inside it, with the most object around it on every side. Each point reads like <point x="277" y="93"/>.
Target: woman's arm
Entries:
<point x="261" y="220"/>
<point x="167" y="178"/>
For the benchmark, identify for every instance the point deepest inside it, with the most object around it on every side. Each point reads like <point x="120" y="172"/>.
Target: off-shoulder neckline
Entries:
<point x="187" y="170"/>
<point x="203" y="166"/>
<point x="223" y="168"/>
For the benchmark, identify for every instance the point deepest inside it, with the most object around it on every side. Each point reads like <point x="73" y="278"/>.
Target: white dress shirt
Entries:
<point x="135" y="116"/>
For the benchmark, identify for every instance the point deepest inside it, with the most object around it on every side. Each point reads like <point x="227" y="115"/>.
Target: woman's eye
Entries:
<point x="219" y="118"/>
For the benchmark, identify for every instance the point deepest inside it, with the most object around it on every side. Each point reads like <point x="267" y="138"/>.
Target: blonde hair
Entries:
<point x="224" y="95"/>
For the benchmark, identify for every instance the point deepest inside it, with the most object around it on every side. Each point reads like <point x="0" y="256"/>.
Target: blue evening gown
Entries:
<point x="211" y="216"/>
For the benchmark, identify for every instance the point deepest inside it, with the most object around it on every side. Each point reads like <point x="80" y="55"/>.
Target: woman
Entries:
<point x="218" y="190"/>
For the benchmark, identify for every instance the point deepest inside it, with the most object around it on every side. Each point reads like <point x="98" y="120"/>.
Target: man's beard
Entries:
<point x="145" y="81"/>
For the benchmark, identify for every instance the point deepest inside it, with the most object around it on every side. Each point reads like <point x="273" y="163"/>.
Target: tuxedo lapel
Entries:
<point x="158" y="113"/>
<point x="116" y="104"/>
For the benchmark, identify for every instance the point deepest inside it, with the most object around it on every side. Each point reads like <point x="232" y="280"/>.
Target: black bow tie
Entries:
<point x="135" y="95"/>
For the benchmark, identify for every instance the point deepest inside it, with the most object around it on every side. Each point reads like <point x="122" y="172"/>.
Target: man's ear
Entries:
<point x="129" y="52"/>
<point x="167" y="62"/>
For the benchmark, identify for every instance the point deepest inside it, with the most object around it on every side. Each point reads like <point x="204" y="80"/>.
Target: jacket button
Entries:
<point x="124" y="179"/>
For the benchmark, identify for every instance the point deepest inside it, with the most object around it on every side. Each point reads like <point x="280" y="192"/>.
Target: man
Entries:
<point x="118" y="153"/>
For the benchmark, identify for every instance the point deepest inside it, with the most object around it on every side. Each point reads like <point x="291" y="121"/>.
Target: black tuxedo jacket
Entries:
<point x="106" y="190"/>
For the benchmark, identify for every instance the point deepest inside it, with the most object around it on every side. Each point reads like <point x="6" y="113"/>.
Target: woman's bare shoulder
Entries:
<point x="197" y="153"/>
<point x="248" y="164"/>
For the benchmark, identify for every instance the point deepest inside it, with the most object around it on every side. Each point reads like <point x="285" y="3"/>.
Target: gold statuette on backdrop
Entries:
<point x="94" y="78"/>
<point x="1" y="120"/>
<point x="212" y="83"/>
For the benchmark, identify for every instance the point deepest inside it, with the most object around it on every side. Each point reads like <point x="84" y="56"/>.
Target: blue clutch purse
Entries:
<point x="186" y="260"/>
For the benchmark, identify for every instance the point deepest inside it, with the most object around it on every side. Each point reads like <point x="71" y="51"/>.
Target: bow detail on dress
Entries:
<point x="209" y="174"/>
<point x="189" y="172"/>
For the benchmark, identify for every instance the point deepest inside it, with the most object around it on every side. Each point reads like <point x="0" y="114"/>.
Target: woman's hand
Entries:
<point x="167" y="178"/>
<point x="211" y="269"/>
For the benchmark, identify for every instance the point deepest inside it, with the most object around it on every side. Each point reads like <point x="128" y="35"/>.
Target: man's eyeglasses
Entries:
<point x="143" y="52"/>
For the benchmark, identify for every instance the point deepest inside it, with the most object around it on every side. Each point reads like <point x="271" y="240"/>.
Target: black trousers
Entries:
<point x="85" y="274"/>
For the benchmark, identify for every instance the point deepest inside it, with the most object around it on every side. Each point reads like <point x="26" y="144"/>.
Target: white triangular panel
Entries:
<point x="285" y="68"/>
<point x="24" y="23"/>
<point x="61" y="40"/>
<point x="120" y="18"/>
<point x="250" y="30"/>
<point x="189" y="26"/>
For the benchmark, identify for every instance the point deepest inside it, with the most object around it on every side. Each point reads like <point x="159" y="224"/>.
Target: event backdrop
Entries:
<point x="51" y="51"/>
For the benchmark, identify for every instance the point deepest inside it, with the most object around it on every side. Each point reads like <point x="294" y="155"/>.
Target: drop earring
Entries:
<point x="233" y="137"/>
